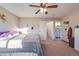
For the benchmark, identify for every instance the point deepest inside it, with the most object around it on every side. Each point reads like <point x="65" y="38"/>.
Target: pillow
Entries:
<point x="12" y="32"/>
<point x="8" y="33"/>
<point x="2" y="38"/>
<point x="4" y="35"/>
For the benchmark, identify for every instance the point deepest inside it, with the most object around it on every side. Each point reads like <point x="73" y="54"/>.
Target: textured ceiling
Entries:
<point x="23" y="9"/>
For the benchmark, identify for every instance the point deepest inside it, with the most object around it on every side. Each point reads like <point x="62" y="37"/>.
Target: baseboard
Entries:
<point x="64" y="41"/>
<point x="75" y="50"/>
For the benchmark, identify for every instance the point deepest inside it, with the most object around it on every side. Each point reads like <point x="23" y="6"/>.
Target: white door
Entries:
<point x="76" y="41"/>
<point x="43" y="30"/>
<point x="50" y="28"/>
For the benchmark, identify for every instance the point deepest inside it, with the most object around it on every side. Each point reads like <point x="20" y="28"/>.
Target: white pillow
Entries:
<point x="2" y="38"/>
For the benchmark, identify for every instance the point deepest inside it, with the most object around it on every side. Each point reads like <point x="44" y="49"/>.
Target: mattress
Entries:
<point x="18" y="54"/>
<point x="22" y="45"/>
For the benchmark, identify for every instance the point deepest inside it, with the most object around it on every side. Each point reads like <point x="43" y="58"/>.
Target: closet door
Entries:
<point x="76" y="41"/>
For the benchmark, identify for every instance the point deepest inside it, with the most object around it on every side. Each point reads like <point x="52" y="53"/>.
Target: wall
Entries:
<point x="73" y="19"/>
<point x="28" y="23"/>
<point x="39" y="25"/>
<point x="11" y="22"/>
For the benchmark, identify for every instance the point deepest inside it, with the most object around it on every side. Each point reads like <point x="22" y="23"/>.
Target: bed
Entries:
<point x="21" y="45"/>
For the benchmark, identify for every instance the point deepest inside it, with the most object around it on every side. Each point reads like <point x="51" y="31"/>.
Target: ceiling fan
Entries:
<point x="43" y="7"/>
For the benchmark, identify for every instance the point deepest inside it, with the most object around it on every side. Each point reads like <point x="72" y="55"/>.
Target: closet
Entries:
<point x="76" y="41"/>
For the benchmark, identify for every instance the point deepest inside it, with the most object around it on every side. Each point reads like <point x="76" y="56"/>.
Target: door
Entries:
<point x="50" y="29"/>
<point x="43" y="30"/>
<point x="57" y="30"/>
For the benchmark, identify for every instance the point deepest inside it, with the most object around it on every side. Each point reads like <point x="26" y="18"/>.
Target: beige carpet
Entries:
<point x="57" y="48"/>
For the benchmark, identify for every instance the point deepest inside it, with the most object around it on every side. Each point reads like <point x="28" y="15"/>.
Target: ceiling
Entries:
<point x="23" y="9"/>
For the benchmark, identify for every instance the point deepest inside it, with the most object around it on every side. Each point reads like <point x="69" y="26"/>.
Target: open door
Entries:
<point x="57" y="30"/>
<point x="50" y="29"/>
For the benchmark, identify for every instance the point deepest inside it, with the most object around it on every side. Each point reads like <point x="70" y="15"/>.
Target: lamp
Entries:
<point x="3" y="17"/>
<point x="45" y="9"/>
<point x="41" y="10"/>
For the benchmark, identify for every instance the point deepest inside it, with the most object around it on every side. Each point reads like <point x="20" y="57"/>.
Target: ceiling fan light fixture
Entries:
<point x="41" y="10"/>
<point x="45" y="9"/>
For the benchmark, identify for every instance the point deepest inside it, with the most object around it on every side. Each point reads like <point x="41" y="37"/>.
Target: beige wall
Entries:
<point x="29" y="22"/>
<point x="73" y="18"/>
<point x="39" y="25"/>
<point x="11" y="22"/>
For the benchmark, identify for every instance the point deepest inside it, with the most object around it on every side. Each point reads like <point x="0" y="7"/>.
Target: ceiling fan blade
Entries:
<point x="52" y="6"/>
<point x="34" y="6"/>
<point x="46" y="12"/>
<point x="45" y="4"/>
<point x="37" y="11"/>
<point x="41" y="4"/>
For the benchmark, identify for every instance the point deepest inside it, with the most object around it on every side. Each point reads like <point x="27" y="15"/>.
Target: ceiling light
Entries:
<point x="41" y="10"/>
<point x="45" y="9"/>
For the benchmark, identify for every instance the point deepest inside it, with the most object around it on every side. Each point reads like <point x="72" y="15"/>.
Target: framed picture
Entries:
<point x="66" y="22"/>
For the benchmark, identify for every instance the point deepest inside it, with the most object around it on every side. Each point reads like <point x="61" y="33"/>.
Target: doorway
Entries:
<point x="57" y="29"/>
<point x="50" y="29"/>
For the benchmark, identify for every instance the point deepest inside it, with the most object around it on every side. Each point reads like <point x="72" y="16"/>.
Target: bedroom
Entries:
<point x="21" y="28"/>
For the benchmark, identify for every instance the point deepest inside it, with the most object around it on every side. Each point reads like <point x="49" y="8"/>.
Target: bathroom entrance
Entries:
<point x="57" y="29"/>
